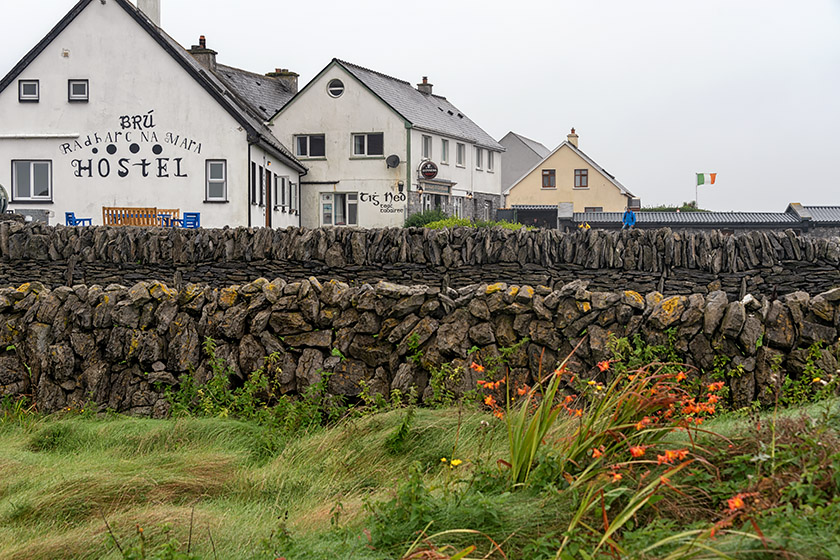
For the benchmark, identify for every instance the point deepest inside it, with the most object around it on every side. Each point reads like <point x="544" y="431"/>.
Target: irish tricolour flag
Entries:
<point x="706" y="178"/>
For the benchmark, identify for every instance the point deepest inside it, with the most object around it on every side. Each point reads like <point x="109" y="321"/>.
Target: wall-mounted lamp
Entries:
<point x="400" y="186"/>
<point x="469" y="196"/>
<point x="419" y="189"/>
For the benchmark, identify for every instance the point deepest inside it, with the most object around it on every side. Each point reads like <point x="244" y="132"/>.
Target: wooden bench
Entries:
<point x="138" y="216"/>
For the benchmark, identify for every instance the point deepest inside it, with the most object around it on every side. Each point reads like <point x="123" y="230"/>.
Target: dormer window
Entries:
<point x="29" y="91"/>
<point x="77" y="91"/>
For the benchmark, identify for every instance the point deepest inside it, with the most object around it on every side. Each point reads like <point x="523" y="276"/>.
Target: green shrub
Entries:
<point x="454" y="222"/>
<point x="420" y="219"/>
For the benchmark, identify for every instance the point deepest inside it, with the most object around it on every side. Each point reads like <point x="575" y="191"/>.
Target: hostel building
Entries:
<point x="109" y="111"/>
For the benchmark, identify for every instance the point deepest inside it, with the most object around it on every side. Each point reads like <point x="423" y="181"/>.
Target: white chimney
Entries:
<point x="151" y="8"/>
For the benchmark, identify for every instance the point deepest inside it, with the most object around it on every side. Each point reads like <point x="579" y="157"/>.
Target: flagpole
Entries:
<point x="696" y="203"/>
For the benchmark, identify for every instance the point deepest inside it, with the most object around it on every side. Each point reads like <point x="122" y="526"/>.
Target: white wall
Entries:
<point x="355" y="111"/>
<point x="129" y="75"/>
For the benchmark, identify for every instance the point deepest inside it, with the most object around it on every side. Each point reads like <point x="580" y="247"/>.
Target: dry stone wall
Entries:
<point x="760" y="263"/>
<point x="121" y="346"/>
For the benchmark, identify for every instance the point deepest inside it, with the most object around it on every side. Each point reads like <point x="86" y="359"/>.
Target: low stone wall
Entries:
<point x="760" y="263"/>
<point x="119" y="347"/>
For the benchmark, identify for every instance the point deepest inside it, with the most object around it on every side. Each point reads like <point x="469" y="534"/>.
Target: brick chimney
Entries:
<point x="572" y="138"/>
<point x="151" y="8"/>
<point x="287" y="77"/>
<point x="425" y="87"/>
<point x="206" y="57"/>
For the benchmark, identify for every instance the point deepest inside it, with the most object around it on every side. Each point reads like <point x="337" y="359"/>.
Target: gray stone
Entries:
<point x="733" y="319"/>
<point x="716" y="304"/>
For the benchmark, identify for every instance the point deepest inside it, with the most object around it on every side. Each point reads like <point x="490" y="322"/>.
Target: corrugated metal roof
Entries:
<point x="699" y="218"/>
<point x="430" y="112"/>
<point x="824" y="213"/>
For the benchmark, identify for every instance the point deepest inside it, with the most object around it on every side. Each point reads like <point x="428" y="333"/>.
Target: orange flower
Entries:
<point x="578" y="412"/>
<point x="615" y="477"/>
<point x="640" y="425"/>
<point x="637" y="451"/>
<point x="717" y="386"/>
<point x="490" y="401"/>
<point x="477" y="367"/>
<point x="680" y="376"/>
<point x="481" y="382"/>
<point x="713" y="399"/>
<point x="597" y="452"/>
<point x="605" y="365"/>
<point x="499" y="414"/>
<point x="568" y="399"/>
<point x="522" y="390"/>
<point x="682" y="454"/>
<point x="735" y="502"/>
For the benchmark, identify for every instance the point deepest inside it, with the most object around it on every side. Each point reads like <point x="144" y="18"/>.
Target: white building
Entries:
<point x="372" y="144"/>
<point x="109" y="111"/>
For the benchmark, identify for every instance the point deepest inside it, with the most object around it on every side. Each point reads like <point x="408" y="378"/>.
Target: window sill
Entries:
<point x="77" y="100"/>
<point x="461" y="166"/>
<point x="313" y="158"/>
<point x="367" y="157"/>
<point x="444" y="163"/>
<point x="30" y="201"/>
<point x="216" y="201"/>
<point x="580" y="188"/>
<point x="549" y="188"/>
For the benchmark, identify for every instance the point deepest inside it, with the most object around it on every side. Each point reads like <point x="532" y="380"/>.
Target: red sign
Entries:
<point x="428" y="170"/>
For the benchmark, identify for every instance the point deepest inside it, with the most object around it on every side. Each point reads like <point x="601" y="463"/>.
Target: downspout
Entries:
<point x="248" y="174"/>
<point x="408" y="165"/>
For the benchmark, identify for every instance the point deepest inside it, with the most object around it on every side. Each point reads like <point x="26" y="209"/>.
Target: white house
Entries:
<point x="109" y="111"/>
<point x="378" y="148"/>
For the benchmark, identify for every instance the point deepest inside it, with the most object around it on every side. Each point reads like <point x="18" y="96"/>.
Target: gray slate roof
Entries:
<point x="538" y="148"/>
<point x="428" y="112"/>
<point x="264" y="94"/>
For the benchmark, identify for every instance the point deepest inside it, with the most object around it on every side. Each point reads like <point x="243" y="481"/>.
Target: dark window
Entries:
<point x="310" y="145"/>
<point x="369" y="144"/>
<point x="335" y="88"/>
<point x="254" y="184"/>
<point x="593" y="209"/>
<point x="581" y="178"/>
<point x="29" y="91"/>
<point x="77" y="90"/>
<point x="549" y="179"/>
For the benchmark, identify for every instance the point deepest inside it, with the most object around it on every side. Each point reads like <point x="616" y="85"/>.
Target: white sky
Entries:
<point x="657" y="89"/>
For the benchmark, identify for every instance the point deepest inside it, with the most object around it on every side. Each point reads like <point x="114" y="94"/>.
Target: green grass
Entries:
<point x="344" y="492"/>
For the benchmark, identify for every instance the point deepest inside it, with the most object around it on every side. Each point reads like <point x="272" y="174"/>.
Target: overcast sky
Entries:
<point x="657" y="89"/>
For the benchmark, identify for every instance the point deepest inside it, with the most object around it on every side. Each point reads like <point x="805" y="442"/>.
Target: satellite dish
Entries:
<point x="4" y="200"/>
<point x="392" y="161"/>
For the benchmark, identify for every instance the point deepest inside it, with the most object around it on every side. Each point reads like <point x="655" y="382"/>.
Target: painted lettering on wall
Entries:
<point x="385" y="202"/>
<point x="133" y="148"/>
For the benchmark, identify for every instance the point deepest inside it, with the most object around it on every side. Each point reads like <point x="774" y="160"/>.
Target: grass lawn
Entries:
<point x="356" y="490"/>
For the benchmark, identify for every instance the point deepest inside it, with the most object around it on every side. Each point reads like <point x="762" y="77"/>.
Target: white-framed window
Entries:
<point x="78" y="90"/>
<point x="457" y="206"/>
<point x="340" y="209"/>
<point x="369" y="144"/>
<point x="490" y="162"/>
<point x="444" y="151"/>
<point x="335" y="88"/>
<point x="310" y="145"/>
<point x="293" y="197"/>
<point x="29" y="91"/>
<point x="479" y="157"/>
<point x="280" y="193"/>
<point x="427" y="202"/>
<point x="216" y="170"/>
<point x="460" y="154"/>
<point x="31" y="180"/>
<point x="427" y="147"/>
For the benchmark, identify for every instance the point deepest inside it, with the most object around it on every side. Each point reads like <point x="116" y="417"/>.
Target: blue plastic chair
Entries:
<point x="70" y="219"/>
<point x="191" y="220"/>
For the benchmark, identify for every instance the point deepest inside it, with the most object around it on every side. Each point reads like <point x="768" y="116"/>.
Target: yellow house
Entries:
<point x="569" y="175"/>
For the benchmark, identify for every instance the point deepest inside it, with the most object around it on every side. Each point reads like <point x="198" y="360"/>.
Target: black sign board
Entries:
<point x="428" y="170"/>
